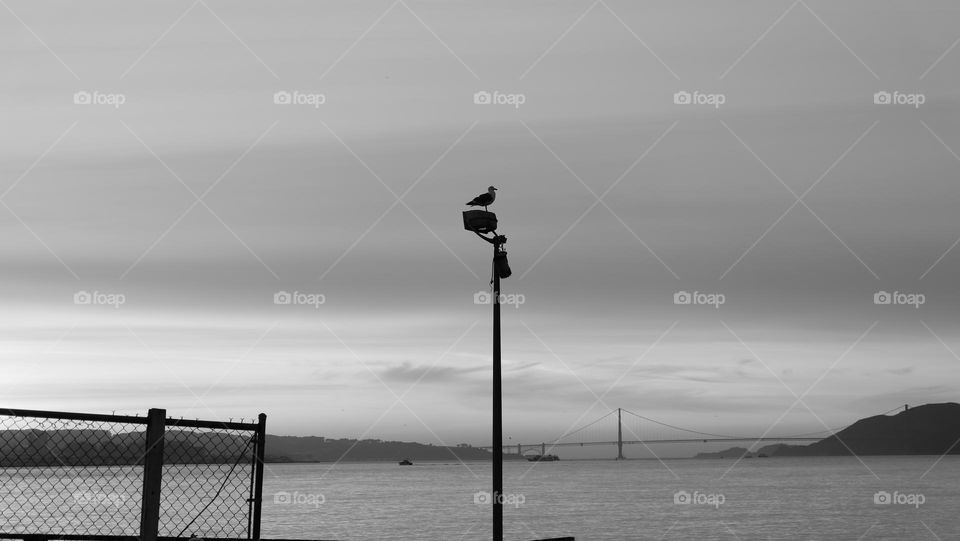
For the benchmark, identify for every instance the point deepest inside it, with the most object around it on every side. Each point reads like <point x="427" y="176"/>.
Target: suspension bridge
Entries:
<point x="645" y="431"/>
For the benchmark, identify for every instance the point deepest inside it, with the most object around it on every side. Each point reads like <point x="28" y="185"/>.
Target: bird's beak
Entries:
<point x="494" y="189"/>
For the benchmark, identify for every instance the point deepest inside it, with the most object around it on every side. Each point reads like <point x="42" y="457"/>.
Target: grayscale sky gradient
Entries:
<point x="199" y="198"/>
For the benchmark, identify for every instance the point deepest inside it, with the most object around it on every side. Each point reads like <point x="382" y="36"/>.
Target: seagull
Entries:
<point x="484" y="199"/>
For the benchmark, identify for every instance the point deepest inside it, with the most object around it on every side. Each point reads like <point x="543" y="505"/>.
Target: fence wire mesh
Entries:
<point x="206" y="482"/>
<point x="84" y="476"/>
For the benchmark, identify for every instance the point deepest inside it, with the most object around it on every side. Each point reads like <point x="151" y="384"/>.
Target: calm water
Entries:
<point x="776" y="498"/>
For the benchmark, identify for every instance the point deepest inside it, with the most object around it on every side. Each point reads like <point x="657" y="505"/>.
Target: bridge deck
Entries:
<point x="645" y="442"/>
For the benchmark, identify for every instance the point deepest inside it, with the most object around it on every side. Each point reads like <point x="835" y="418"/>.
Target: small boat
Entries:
<point x="406" y="462"/>
<point x="543" y="458"/>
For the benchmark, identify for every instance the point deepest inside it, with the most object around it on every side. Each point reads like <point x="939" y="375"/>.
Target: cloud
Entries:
<point x="400" y="289"/>
<point x="409" y="372"/>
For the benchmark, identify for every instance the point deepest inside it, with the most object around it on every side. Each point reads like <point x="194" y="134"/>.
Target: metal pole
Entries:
<point x="251" y="497"/>
<point x="152" y="474"/>
<point x="258" y="481"/>
<point x="619" y="437"/>
<point x="497" y="410"/>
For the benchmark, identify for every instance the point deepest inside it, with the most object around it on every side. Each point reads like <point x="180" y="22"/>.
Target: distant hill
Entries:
<point x="316" y="449"/>
<point x="103" y="448"/>
<point x="931" y="429"/>
<point x="733" y="452"/>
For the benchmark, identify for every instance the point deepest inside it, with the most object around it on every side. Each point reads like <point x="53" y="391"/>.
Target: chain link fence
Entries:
<point x="108" y="476"/>
<point x="206" y="482"/>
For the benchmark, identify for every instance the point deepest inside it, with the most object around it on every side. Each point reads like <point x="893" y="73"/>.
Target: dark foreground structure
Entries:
<point x="93" y="477"/>
<point x="84" y="476"/>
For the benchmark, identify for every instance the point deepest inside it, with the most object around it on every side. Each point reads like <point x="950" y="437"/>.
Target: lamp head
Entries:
<point x="500" y="264"/>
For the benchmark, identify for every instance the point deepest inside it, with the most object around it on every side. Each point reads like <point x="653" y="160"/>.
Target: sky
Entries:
<point x="182" y="194"/>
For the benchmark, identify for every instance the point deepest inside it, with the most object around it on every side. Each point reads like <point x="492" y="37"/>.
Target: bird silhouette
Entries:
<point x="484" y="199"/>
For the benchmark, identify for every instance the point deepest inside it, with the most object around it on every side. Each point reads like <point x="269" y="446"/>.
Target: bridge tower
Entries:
<point x="619" y="437"/>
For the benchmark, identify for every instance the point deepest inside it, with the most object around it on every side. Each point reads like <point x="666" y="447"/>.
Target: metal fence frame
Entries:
<point x="156" y="423"/>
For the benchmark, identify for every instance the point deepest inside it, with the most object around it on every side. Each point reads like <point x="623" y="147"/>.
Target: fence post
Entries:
<point x="152" y="475"/>
<point x="258" y="481"/>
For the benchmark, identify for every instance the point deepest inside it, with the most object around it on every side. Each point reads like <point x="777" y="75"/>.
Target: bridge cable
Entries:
<point x="831" y="430"/>
<point x="683" y="429"/>
<point x="584" y="427"/>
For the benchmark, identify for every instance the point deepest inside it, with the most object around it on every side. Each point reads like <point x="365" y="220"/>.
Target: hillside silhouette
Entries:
<point x="317" y="449"/>
<point x="931" y="429"/>
<point x="104" y="448"/>
<point x="29" y="448"/>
